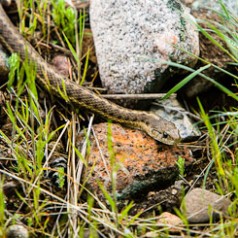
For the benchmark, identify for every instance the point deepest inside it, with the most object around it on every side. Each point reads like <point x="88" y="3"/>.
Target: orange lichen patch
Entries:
<point x="134" y="157"/>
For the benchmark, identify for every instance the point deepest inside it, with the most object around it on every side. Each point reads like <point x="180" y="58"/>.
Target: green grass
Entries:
<point x="38" y="127"/>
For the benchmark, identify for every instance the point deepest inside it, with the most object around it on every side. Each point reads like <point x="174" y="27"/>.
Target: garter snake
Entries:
<point x="48" y="77"/>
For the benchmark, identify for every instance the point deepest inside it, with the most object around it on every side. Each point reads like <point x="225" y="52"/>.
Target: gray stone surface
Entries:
<point x="134" y="38"/>
<point x="231" y="5"/>
<point x="171" y="110"/>
<point x="199" y="205"/>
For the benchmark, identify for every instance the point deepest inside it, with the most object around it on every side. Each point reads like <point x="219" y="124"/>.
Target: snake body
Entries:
<point x="48" y="77"/>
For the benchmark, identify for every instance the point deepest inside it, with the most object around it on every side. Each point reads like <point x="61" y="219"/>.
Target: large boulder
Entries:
<point x="135" y="38"/>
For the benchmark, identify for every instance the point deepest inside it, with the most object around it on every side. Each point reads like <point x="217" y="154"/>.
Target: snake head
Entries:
<point x="162" y="130"/>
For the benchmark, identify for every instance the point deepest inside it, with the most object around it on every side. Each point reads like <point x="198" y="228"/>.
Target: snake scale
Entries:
<point x="48" y="77"/>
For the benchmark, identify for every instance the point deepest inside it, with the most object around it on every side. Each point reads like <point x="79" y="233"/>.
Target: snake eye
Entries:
<point x="165" y="135"/>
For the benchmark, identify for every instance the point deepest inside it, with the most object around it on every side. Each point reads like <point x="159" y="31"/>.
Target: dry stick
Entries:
<point x="142" y="96"/>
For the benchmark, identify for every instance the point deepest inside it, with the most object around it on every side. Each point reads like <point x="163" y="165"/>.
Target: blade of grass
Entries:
<point x="218" y="85"/>
<point x="215" y="149"/>
<point x="185" y="81"/>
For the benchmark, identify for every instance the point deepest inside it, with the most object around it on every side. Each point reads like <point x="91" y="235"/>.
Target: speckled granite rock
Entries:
<point x="134" y="38"/>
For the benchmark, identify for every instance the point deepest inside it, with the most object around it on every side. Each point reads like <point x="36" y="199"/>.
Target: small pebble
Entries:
<point x="199" y="204"/>
<point x="61" y="63"/>
<point x="171" y="221"/>
<point x="10" y="187"/>
<point x="17" y="231"/>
